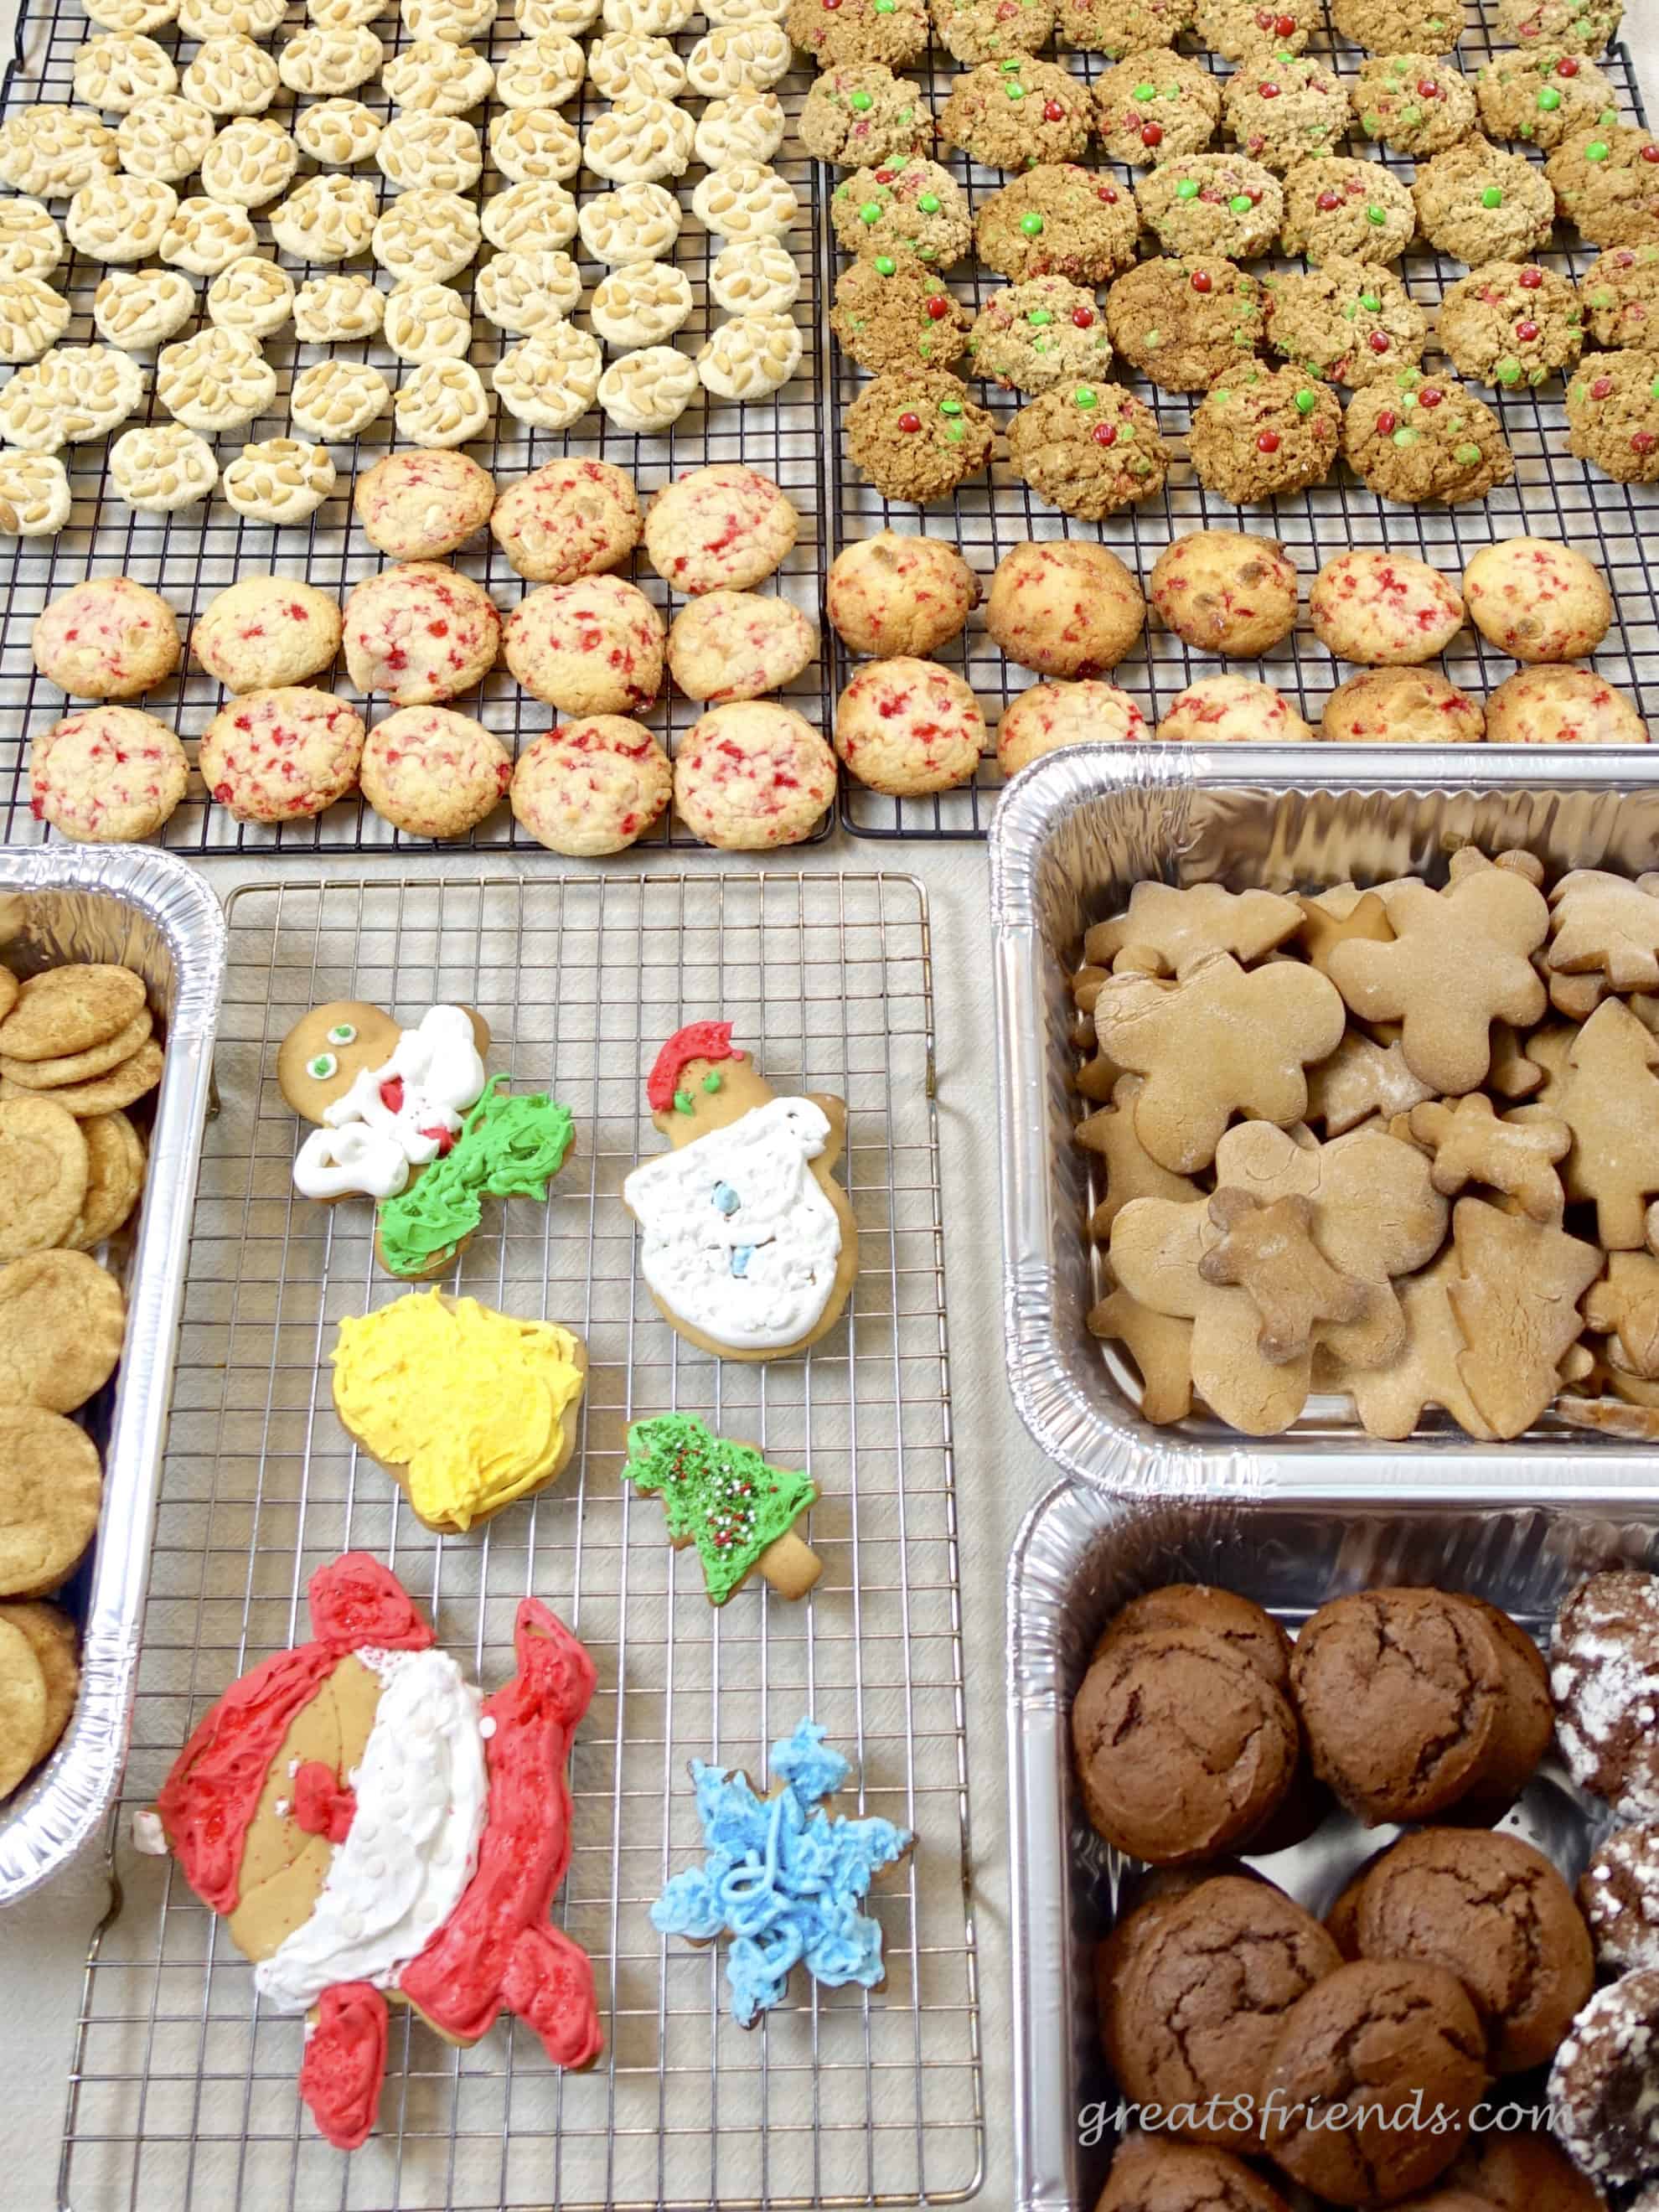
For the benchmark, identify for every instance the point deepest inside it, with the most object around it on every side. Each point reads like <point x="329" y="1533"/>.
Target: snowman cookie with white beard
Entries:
<point x="748" y="1242"/>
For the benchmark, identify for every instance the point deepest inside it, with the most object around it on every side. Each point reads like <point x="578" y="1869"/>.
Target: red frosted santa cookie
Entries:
<point x="749" y="1245"/>
<point x="374" y="1832"/>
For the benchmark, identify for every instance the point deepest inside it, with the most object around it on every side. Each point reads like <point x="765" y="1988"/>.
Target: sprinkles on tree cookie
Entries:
<point x="724" y="1498"/>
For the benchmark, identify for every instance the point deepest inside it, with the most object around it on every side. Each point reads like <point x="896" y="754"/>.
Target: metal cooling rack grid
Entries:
<point x="1552" y="495"/>
<point x="189" y="555"/>
<point x="180" y="2094"/>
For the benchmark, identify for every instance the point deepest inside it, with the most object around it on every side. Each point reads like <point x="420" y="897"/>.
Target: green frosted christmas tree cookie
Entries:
<point x="725" y="1498"/>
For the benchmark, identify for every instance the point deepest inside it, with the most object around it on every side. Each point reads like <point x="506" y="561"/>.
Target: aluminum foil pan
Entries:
<point x="1073" y="833"/>
<point x="154" y="913"/>
<point x="1080" y="1556"/>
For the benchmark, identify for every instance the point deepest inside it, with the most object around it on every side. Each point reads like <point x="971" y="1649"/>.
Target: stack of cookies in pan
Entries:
<point x="77" y="1048"/>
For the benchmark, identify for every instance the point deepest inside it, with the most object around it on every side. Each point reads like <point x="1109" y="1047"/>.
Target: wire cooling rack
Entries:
<point x="189" y="555"/>
<point x="1552" y="496"/>
<point x="182" y="2092"/>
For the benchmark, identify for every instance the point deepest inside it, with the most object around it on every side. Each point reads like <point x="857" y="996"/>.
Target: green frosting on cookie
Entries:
<point x="723" y="1498"/>
<point x="510" y="1146"/>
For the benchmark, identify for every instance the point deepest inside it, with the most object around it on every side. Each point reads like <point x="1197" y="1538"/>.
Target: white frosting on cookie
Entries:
<point x="368" y="1146"/>
<point x="739" y="1239"/>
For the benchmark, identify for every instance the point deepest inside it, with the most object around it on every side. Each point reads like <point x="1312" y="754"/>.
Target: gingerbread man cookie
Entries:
<point x="749" y="1244"/>
<point x="1178" y="927"/>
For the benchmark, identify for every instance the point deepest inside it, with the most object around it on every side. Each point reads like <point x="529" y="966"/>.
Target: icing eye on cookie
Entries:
<point x="343" y="1033"/>
<point x="324" y="1065"/>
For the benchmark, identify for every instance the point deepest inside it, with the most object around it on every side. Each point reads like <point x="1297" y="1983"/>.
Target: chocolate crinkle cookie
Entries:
<point x="861" y="115"/>
<point x="1247" y="1630"/>
<point x="1208" y="1986"/>
<point x="1116" y="27"/>
<point x="1621" y="295"/>
<point x="1577" y="26"/>
<point x="1155" y="106"/>
<point x="1035" y="335"/>
<point x="1612" y="413"/>
<point x="1346" y="206"/>
<point x="1543" y="97"/>
<point x="1493" y="1912"/>
<point x="1182" y="1746"/>
<point x="1400" y="27"/>
<point x="1418" y="438"/>
<point x="836" y="31"/>
<point x="1285" y="108"/>
<point x="1511" y="323"/>
<point x="1018" y="113"/>
<point x="1239" y="29"/>
<point x="1367" y="2040"/>
<point x="1184" y="319"/>
<point x="896" y="314"/>
<point x="1479" y="204"/>
<point x="1213" y="203"/>
<point x="1607" y="181"/>
<point x="1349" y="322"/>
<point x="1604" y="2084"/>
<point x="1152" y="2174"/>
<point x="916" y="434"/>
<point x="1089" y="449"/>
<point x="1522" y="2173"/>
<point x="985" y="30"/>
<point x="1604" y="1677"/>
<point x="1060" y="221"/>
<point x="1258" y="432"/>
<point x="1619" y="1896"/>
<point x="906" y="207"/>
<point x="1415" y="104"/>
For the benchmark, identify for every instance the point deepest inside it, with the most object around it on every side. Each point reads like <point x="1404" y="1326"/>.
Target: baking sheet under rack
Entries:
<point x="189" y="555"/>
<point x="182" y="2094"/>
<point x="1552" y="496"/>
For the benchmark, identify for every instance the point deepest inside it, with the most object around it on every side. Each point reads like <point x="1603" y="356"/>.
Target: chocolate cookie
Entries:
<point x="861" y="115"/>
<point x="1415" y="104"/>
<point x="1401" y="707"/>
<point x="1576" y="27"/>
<point x="1511" y="323"/>
<point x="1612" y="413"/>
<point x="1342" y="1920"/>
<point x="1239" y="1623"/>
<point x="1182" y="321"/>
<point x="1604" y="2084"/>
<point x="1349" y="322"/>
<point x="1213" y="203"/>
<point x="1619" y="1896"/>
<point x="1238" y="30"/>
<point x="1522" y="2173"/>
<point x="1284" y="108"/>
<point x="1479" y="204"/>
<point x="1151" y="2174"/>
<point x="1542" y="97"/>
<point x="1059" y="221"/>
<point x="1206" y="1993"/>
<point x="1495" y="1912"/>
<point x="1606" y="180"/>
<point x="1526" y="1721"/>
<point x="1400" y="27"/>
<point x="1018" y="112"/>
<point x="1224" y="591"/>
<point x="1621" y="295"/>
<point x="894" y="313"/>
<point x="1089" y="449"/>
<point x="1156" y="106"/>
<point x="1183" y="1747"/>
<point x="1259" y="432"/>
<point x="1421" y="438"/>
<point x="916" y="434"/>
<point x="985" y="30"/>
<point x="1604" y="1677"/>
<point x="1367" y="2038"/>
<point x="1400" y="1692"/>
<point x="1156" y="1896"/>
<point x="1348" y="207"/>
<point x="834" y="32"/>
<point x="905" y="209"/>
<point x="1116" y="27"/>
<point x="1034" y="335"/>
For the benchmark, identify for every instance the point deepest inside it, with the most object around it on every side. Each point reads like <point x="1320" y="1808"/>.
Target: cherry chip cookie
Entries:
<point x="909" y="727"/>
<point x="592" y="648"/>
<point x="433" y="772"/>
<point x="106" y="774"/>
<point x="281" y="756"/>
<point x="416" y="507"/>
<point x="420" y="632"/>
<point x="592" y="787"/>
<point x="751" y="777"/>
<point x="720" y="528"/>
<point x="108" y="638"/>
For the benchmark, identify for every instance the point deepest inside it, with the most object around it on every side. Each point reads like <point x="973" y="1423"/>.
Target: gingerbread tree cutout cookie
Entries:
<point x="1608" y="1094"/>
<point x="1226" y="1039"/>
<point x="1471" y="1144"/>
<point x="1461" y="959"/>
<point x="1359" y="1079"/>
<point x="1335" y="917"/>
<point x="1169" y="929"/>
<point x="1605" y="926"/>
<point x="1391" y="1400"/>
<point x="722" y="1496"/>
<point x="1516" y="1296"/>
